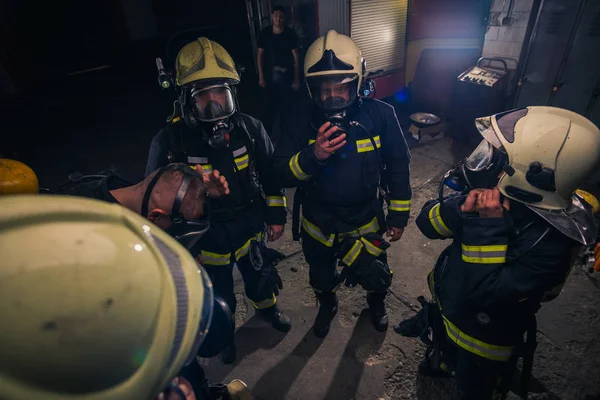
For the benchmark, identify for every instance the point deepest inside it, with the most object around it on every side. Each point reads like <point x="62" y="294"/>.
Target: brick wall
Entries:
<point x="504" y="39"/>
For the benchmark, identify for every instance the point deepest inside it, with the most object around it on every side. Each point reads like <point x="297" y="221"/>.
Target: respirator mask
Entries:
<point x="186" y="231"/>
<point x="478" y="171"/>
<point x="334" y="94"/>
<point x="213" y="105"/>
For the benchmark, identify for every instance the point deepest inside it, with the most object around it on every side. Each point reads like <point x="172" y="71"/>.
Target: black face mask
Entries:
<point x="187" y="232"/>
<point x="478" y="171"/>
<point x="338" y="119"/>
<point x="214" y="110"/>
<point x="218" y="135"/>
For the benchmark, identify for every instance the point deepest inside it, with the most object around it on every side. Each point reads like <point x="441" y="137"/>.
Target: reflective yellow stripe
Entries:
<point x="276" y="201"/>
<point x="266" y="303"/>
<point x="372" y="226"/>
<point x="242" y="251"/>
<point x="399" y="205"/>
<point x="475" y="346"/>
<point x="438" y="224"/>
<point x="352" y="254"/>
<point x="316" y="233"/>
<point x="206" y="169"/>
<point x="364" y="145"/>
<point x="494" y="254"/>
<point x="311" y="141"/>
<point x="209" y="258"/>
<point x="371" y="248"/>
<point x="296" y="170"/>
<point x="242" y="162"/>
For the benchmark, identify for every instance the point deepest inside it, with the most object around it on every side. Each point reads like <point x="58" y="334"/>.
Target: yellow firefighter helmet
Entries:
<point x="97" y="303"/>
<point x="204" y="60"/>
<point x="17" y="178"/>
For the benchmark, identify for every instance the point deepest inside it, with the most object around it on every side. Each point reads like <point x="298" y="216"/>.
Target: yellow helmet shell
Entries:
<point x="17" y="178"/>
<point x="90" y="295"/>
<point x="204" y="59"/>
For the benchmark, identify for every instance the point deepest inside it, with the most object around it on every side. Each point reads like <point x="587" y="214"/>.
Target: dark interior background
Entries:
<point x="84" y="93"/>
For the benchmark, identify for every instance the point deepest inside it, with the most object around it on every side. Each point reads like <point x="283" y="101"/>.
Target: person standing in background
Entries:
<point x="278" y="68"/>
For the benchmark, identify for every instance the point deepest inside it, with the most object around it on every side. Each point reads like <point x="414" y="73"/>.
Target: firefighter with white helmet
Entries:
<point x="97" y="303"/>
<point x="342" y="152"/>
<point x="515" y="235"/>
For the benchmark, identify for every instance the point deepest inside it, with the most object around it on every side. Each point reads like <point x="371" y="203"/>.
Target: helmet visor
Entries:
<point x="333" y="92"/>
<point x="486" y="129"/>
<point x="213" y="103"/>
<point x="481" y="158"/>
<point x="207" y="313"/>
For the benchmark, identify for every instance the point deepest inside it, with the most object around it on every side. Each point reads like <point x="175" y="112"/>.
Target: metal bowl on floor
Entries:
<point x="424" y="120"/>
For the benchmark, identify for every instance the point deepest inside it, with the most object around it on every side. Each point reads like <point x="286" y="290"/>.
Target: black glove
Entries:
<point x="375" y="276"/>
<point x="348" y="277"/>
<point x="269" y="280"/>
<point x="363" y="266"/>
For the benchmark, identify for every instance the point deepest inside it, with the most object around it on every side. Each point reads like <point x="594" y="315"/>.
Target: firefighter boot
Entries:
<point x="379" y="315"/>
<point x="328" y="306"/>
<point x="276" y="318"/>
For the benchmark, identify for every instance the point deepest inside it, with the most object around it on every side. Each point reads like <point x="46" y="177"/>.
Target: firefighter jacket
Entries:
<point x="345" y="187"/>
<point x="245" y="163"/>
<point x="491" y="279"/>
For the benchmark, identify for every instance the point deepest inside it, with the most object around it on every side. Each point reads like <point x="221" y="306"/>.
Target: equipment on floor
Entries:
<point x="426" y="127"/>
<point x="480" y="90"/>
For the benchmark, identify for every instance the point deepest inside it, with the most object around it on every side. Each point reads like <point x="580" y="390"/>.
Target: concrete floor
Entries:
<point x="356" y="362"/>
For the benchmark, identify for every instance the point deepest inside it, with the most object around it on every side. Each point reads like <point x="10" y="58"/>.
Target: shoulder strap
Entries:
<point x="176" y="148"/>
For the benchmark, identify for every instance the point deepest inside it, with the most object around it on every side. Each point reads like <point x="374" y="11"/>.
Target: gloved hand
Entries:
<point x="269" y="280"/>
<point x="375" y="277"/>
<point x="360" y="257"/>
<point x="348" y="277"/>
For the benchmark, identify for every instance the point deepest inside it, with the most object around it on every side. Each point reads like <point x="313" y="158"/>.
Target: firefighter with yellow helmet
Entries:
<point x="209" y="132"/>
<point x="514" y="235"/>
<point x="111" y="307"/>
<point x="344" y="152"/>
<point x="17" y="178"/>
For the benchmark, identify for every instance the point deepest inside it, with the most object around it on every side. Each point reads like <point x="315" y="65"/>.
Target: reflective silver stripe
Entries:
<point x="276" y="201"/>
<point x="210" y="258"/>
<point x="371" y="248"/>
<point x="296" y="170"/>
<point x="352" y="254"/>
<point x="239" y="152"/>
<point x="372" y="226"/>
<point x="491" y="254"/>
<point x="438" y="224"/>
<point x="242" y="162"/>
<point x="197" y="160"/>
<point x="400" y="205"/>
<point x="316" y="233"/>
<point x="364" y="145"/>
<point x="492" y="352"/>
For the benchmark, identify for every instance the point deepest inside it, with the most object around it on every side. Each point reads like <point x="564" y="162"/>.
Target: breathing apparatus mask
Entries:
<point x="334" y="94"/>
<point x="478" y="171"/>
<point x="186" y="231"/>
<point x="212" y="105"/>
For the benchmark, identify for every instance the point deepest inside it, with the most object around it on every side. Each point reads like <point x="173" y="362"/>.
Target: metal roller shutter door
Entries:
<point x="379" y="29"/>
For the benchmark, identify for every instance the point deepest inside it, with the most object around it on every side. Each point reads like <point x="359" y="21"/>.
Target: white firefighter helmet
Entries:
<point x="336" y="59"/>
<point x="550" y="151"/>
<point x="97" y="303"/>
